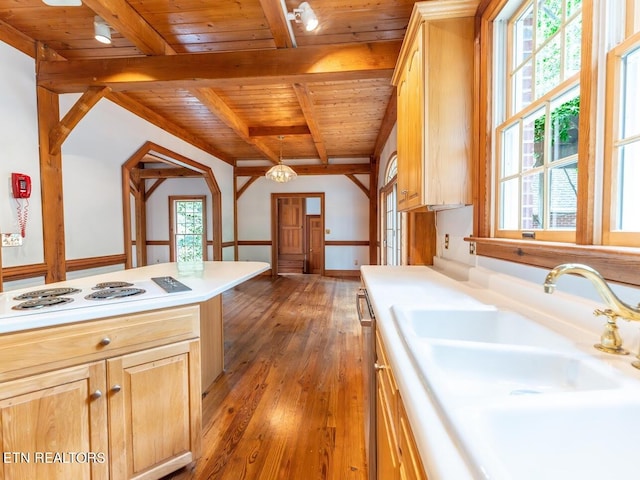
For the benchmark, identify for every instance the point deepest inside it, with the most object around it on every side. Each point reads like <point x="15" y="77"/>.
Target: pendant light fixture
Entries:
<point x="281" y="173"/>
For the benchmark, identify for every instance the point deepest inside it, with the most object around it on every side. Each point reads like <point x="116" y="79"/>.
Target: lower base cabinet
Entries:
<point x="397" y="454"/>
<point x="132" y="413"/>
<point x="54" y="425"/>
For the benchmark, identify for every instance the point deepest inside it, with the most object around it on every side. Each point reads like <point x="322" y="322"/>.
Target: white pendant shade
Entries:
<point x="281" y="173"/>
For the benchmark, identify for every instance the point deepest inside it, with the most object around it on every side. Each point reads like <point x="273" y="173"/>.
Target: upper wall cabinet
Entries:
<point x="434" y="80"/>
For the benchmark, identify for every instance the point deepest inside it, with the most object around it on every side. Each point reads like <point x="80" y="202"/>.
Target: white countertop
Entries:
<point x="216" y="278"/>
<point x="441" y="449"/>
<point x="388" y="286"/>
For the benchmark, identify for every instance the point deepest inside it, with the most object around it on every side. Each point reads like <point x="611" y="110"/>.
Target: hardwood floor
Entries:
<point x="290" y="403"/>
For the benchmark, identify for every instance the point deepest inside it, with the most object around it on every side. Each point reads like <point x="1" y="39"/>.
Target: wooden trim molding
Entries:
<point x="21" y="272"/>
<point x="254" y="243"/>
<point x="346" y="243"/>
<point x="617" y="264"/>
<point x="342" y="273"/>
<point x="95" y="262"/>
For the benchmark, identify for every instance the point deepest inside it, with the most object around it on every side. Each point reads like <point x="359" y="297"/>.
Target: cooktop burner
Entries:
<point x="47" y="293"/>
<point x="110" y="293"/>
<point x="42" y="302"/>
<point x="100" y="286"/>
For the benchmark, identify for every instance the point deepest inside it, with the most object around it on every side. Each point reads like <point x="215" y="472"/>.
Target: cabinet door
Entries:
<point x="54" y="425"/>
<point x="155" y="410"/>
<point x="410" y="465"/>
<point x="411" y="128"/>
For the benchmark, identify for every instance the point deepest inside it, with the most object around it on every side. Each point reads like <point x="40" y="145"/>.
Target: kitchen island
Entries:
<point x="111" y="388"/>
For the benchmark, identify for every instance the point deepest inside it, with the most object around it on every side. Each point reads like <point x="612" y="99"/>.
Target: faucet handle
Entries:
<point x="610" y="314"/>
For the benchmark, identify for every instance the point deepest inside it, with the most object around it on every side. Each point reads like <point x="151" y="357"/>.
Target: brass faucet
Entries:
<point x="610" y="340"/>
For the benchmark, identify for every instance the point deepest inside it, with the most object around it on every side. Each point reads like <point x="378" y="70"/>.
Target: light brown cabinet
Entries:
<point x="119" y="398"/>
<point x="397" y="454"/>
<point x="434" y="80"/>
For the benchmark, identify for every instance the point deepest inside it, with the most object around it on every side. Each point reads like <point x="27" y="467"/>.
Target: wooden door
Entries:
<point x="315" y="245"/>
<point x="155" y="410"/>
<point x="291" y="213"/>
<point x="64" y="413"/>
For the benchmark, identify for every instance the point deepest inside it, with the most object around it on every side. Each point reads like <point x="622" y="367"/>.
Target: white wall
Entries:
<point x="346" y="217"/>
<point x="92" y="157"/>
<point x="19" y="153"/>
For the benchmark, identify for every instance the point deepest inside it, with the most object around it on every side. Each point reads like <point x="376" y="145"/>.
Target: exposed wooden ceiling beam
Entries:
<point x="147" y="173"/>
<point x="276" y="131"/>
<point x="17" y="39"/>
<point x="333" y="169"/>
<point x="306" y="103"/>
<point x="255" y="67"/>
<point x="86" y="102"/>
<point x="388" y="121"/>
<point x="214" y="103"/>
<point x="277" y="23"/>
<point x="121" y="16"/>
<point x="126" y="21"/>
<point x="126" y="102"/>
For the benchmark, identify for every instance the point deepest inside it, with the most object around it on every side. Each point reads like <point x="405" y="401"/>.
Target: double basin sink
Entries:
<point x="522" y="401"/>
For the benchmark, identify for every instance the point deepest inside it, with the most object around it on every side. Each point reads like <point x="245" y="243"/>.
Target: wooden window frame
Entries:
<point x="614" y="61"/>
<point x="615" y="263"/>
<point x="172" y="233"/>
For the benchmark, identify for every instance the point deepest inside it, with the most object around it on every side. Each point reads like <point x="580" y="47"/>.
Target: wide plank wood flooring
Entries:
<point x="290" y="403"/>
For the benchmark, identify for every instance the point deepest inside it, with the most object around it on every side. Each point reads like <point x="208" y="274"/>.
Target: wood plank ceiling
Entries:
<point x="225" y="75"/>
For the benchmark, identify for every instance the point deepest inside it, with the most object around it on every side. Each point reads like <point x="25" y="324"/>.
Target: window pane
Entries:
<point x="628" y="216"/>
<point x="511" y="150"/>
<point x="522" y="83"/>
<point x="563" y="201"/>
<point x="573" y="6"/>
<point x="549" y="19"/>
<point x="189" y="228"/>
<point x="533" y="131"/>
<point x="509" y="201"/>
<point x="565" y="112"/>
<point x="573" y="35"/>
<point x="523" y="36"/>
<point x="548" y="67"/>
<point x="532" y="201"/>
<point x="631" y="105"/>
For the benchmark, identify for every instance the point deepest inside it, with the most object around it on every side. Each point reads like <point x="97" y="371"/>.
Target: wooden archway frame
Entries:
<point x="133" y="183"/>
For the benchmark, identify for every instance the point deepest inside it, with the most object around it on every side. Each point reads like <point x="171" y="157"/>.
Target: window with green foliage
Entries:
<point x="537" y="123"/>
<point x="189" y="229"/>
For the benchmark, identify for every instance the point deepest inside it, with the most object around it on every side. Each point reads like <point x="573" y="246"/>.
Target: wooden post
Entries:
<point x="51" y="188"/>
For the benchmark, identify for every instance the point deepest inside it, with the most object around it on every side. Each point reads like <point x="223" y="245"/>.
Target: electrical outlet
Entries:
<point x="355" y="262"/>
<point x="11" y="240"/>
<point x="446" y="241"/>
<point x="472" y="248"/>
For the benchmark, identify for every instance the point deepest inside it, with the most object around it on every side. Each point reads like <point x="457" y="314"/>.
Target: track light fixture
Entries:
<point x="305" y="15"/>
<point x="101" y="30"/>
<point x="63" y="3"/>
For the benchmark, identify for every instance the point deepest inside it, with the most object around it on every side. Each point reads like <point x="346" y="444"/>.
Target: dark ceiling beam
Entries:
<point x="333" y="169"/>
<point x="279" y="130"/>
<point x="255" y="67"/>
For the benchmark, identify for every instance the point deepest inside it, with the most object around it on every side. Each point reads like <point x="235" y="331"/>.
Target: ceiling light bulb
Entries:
<point x="102" y="31"/>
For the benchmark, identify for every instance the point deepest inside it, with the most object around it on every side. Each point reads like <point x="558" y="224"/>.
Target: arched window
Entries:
<point x="391" y="221"/>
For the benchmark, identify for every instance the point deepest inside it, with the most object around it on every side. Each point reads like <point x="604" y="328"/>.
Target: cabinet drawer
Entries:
<point x="44" y="349"/>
